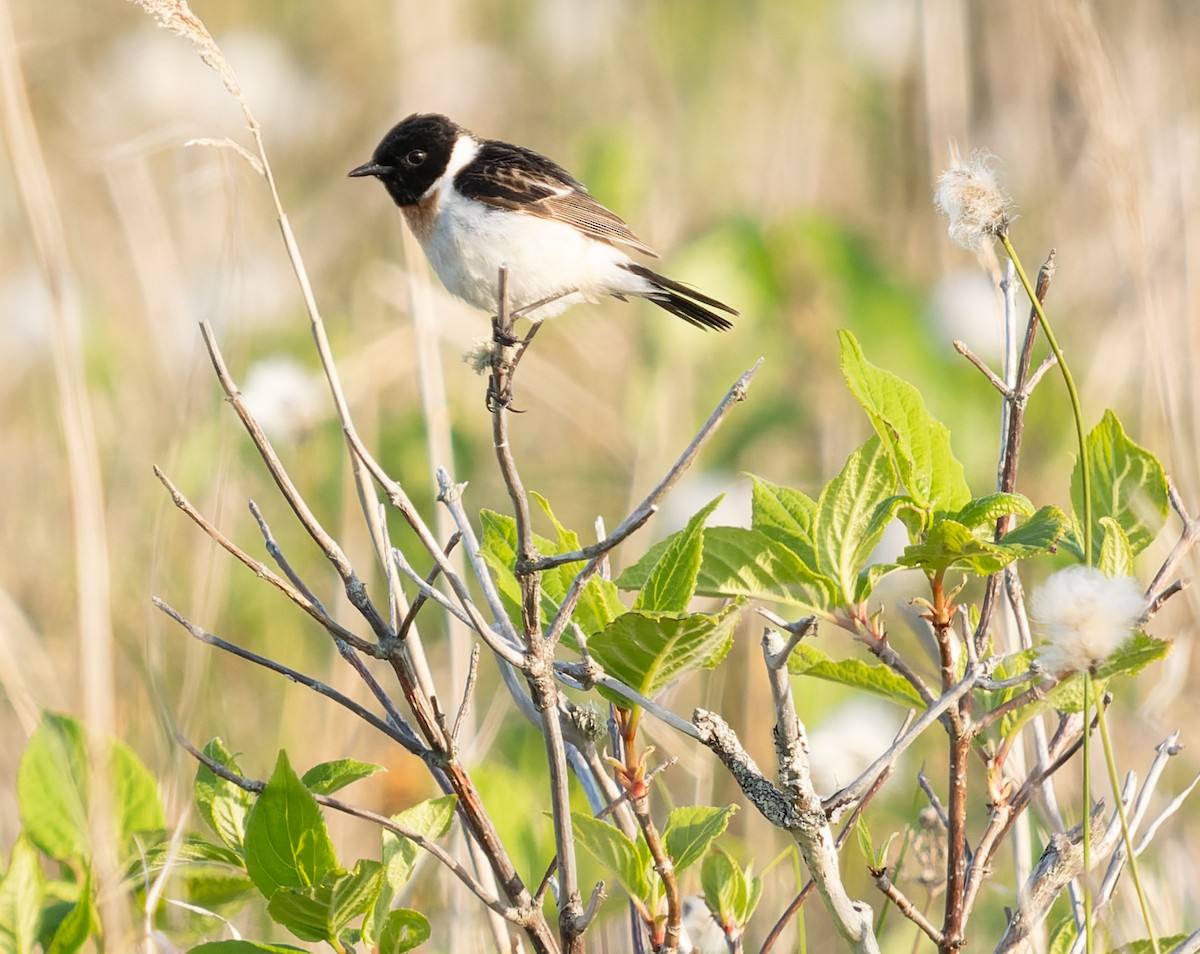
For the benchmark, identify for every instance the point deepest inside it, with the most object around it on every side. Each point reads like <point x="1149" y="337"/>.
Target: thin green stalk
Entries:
<point x="1087" y="813"/>
<point x="1110" y="759"/>
<point x="1076" y="408"/>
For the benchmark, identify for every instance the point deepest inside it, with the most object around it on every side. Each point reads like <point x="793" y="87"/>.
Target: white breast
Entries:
<point x="468" y="242"/>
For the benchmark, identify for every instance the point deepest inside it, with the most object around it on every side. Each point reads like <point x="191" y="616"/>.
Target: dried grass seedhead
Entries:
<point x="969" y="195"/>
<point x="177" y="16"/>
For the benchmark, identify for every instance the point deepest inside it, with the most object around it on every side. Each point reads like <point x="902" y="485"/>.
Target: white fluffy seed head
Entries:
<point x="1084" y="616"/>
<point x="969" y="195"/>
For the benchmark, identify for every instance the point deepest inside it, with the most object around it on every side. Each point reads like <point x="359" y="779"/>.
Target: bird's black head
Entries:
<point x="412" y="155"/>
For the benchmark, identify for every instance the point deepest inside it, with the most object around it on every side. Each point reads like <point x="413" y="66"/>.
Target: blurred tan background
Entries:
<point x="780" y="155"/>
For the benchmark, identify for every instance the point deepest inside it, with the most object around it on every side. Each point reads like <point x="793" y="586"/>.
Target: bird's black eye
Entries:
<point x="414" y="158"/>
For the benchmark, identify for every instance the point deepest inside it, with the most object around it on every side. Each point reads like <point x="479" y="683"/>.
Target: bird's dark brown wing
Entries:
<point x="509" y="177"/>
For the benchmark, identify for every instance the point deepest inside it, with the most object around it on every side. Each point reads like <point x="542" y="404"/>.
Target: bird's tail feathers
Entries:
<point x="682" y="301"/>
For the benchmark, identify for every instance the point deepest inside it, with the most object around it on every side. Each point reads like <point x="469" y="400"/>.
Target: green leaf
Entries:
<point x="134" y="793"/>
<point x="985" y="511"/>
<point x="1039" y="534"/>
<point x="785" y="515"/>
<point x="243" y="947"/>
<point x="1128" y="484"/>
<point x="21" y="897"/>
<point x="691" y="829"/>
<point x="918" y="444"/>
<point x="78" y="925"/>
<point x="327" y="777"/>
<point x="1116" y="555"/>
<point x="752" y="897"/>
<point x="862" y="834"/>
<point x="222" y="804"/>
<point x="950" y="544"/>
<point x="671" y="582"/>
<point x="402" y="931"/>
<point x="807" y="660"/>
<point x="851" y="517"/>
<point x="724" y="886"/>
<point x="1146" y="946"/>
<point x="1133" y="655"/>
<point x="1128" y="659"/>
<point x="599" y="603"/>
<point x="287" y="845"/>
<point x="52" y="784"/>
<point x="648" y="650"/>
<point x="739" y="562"/>
<point x="322" y="912"/>
<point x="613" y="849"/>
<point x="432" y="819"/>
<point x="869" y="578"/>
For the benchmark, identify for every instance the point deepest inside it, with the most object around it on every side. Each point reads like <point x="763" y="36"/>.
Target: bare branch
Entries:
<point x="649" y="505"/>
<point x="400" y="732"/>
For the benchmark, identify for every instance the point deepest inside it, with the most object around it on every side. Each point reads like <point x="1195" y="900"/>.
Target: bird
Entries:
<point x="476" y="205"/>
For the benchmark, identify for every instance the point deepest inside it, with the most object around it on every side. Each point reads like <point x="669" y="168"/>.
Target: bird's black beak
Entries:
<point x="371" y="168"/>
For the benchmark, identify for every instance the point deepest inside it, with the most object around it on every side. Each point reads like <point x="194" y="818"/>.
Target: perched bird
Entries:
<point x="477" y="204"/>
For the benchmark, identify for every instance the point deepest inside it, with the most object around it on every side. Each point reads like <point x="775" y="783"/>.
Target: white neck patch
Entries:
<point x="465" y="149"/>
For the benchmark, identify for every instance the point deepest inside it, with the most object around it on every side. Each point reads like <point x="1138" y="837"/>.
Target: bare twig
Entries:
<point x="837" y="802"/>
<point x="904" y="906"/>
<point x="646" y="508"/>
<point x="399" y="730"/>
<point x="468" y="692"/>
<point x="297" y="594"/>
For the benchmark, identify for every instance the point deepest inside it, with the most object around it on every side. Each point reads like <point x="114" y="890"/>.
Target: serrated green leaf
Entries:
<point x="849" y="518"/>
<point x="243" y="947"/>
<point x="354" y="894"/>
<point x="691" y="829"/>
<point x="287" y="845"/>
<point x="599" y="603"/>
<point x="949" y="544"/>
<point x="1133" y="655"/>
<point x="322" y="912"/>
<point x="610" y="846"/>
<point x="1116" y="555"/>
<point x="79" y="923"/>
<point x="785" y="515"/>
<point x="1039" y="534"/>
<point x="403" y="930"/>
<point x="1128" y="484"/>
<point x="918" y="443"/>
<point x="1128" y="659"/>
<point x="223" y="805"/>
<point x="303" y="911"/>
<point x="984" y="511"/>
<point x="671" y="582"/>
<point x="648" y="650"/>
<point x="326" y="778"/>
<point x="739" y="562"/>
<point x="52" y="784"/>
<point x="21" y="898"/>
<point x="807" y="660"/>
